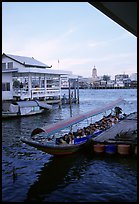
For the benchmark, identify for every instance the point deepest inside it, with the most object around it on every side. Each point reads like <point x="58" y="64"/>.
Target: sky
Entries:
<point x="70" y="36"/>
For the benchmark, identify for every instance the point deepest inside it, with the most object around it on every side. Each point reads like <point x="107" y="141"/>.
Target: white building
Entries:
<point x="119" y="80"/>
<point x="120" y="77"/>
<point x="119" y="84"/>
<point x="110" y="83"/>
<point x="94" y="73"/>
<point x="133" y="77"/>
<point x="68" y="80"/>
<point x="27" y="78"/>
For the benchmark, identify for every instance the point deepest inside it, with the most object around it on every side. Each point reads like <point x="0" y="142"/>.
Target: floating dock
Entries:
<point x="128" y="125"/>
<point x="121" y="138"/>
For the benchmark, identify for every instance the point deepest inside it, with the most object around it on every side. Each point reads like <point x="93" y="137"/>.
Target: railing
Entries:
<point x="19" y="92"/>
<point x="37" y="92"/>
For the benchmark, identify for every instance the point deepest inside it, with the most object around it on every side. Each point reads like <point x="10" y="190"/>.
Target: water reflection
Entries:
<point x="59" y="172"/>
<point x="85" y="168"/>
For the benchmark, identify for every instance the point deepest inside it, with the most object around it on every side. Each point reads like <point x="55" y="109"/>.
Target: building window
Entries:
<point x="3" y="65"/>
<point x="10" y="65"/>
<point x="5" y="86"/>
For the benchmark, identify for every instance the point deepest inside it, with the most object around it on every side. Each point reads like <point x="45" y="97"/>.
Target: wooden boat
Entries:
<point x="8" y="114"/>
<point x="25" y="108"/>
<point x="62" y="149"/>
<point x="51" y="147"/>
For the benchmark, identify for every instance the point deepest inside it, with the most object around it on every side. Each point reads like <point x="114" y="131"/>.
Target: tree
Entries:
<point x="16" y="84"/>
<point x="106" y="77"/>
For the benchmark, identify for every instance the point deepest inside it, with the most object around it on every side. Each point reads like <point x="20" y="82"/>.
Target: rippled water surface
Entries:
<point x="31" y="175"/>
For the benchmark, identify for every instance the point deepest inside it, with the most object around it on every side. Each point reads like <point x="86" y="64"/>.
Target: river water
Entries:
<point x="31" y="175"/>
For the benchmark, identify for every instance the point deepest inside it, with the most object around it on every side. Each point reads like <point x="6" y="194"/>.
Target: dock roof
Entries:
<point x="43" y="71"/>
<point x="26" y="61"/>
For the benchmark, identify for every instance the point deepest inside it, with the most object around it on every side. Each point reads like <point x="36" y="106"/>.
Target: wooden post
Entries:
<point x="75" y="90"/>
<point x="69" y="93"/>
<point x="60" y="99"/>
<point x="30" y="86"/>
<point x="45" y="84"/>
<point x="78" y="90"/>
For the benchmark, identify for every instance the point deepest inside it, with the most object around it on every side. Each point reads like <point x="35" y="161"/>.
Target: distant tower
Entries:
<point x="94" y="73"/>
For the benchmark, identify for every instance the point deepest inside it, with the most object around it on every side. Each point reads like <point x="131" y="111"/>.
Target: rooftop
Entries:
<point x="27" y="61"/>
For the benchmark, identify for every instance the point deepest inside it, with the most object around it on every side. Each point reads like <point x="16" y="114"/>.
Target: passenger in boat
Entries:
<point x="118" y="111"/>
<point x="66" y="138"/>
<point x="71" y="138"/>
<point x="122" y="116"/>
<point x="70" y="134"/>
<point x="102" y="127"/>
<point x="87" y="130"/>
<point x="109" y="123"/>
<point x="106" y="124"/>
<point x="61" y="140"/>
<point x="113" y="120"/>
<point x="78" y="133"/>
<point x="75" y="134"/>
<point x="81" y="133"/>
<point x="97" y="130"/>
<point x="104" y="121"/>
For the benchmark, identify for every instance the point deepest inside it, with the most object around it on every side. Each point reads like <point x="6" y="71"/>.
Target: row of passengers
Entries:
<point x="107" y="122"/>
<point x="71" y="136"/>
<point x="103" y="124"/>
<point x="100" y="126"/>
<point x="66" y="139"/>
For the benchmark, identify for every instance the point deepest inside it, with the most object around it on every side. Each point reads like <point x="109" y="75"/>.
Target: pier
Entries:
<point x="121" y="138"/>
<point x="128" y="125"/>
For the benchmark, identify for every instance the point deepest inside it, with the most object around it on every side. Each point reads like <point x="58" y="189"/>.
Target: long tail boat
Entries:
<point x="51" y="147"/>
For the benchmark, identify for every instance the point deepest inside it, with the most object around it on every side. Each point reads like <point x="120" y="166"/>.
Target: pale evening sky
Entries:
<point x="75" y="33"/>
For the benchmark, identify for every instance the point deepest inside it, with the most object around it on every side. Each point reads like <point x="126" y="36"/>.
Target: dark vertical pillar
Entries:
<point x="75" y="85"/>
<point x="69" y="92"/>
<point x="60" y="99"/>
<point x="78" y="90"/>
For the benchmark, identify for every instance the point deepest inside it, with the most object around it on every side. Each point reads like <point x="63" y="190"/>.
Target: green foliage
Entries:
<point x="106" y="77"/>
<point x="16" y="84"/>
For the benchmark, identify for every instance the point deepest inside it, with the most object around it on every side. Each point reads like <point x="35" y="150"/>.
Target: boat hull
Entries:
<point x="54" y="149"/>
<point x="13" y="115"/>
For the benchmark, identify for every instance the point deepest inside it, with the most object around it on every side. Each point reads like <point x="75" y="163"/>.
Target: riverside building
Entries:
<point x="25" y="78"/>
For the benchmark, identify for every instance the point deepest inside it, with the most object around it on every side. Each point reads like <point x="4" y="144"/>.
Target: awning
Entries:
<point x="26" y="104"/>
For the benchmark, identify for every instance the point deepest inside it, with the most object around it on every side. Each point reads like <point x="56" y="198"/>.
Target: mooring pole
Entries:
<point x="78" y="90"/>
<point x="75" y="91"/>
<point x="69" y="93"/>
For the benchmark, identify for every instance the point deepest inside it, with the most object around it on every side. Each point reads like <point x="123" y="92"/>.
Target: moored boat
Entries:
<point x="50" y="145"/>
<point x="25" y="108"/>
<point x="62" y="149"/>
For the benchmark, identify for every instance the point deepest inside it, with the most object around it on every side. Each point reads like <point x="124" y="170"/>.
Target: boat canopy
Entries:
<point x="23" y="104"/>
<point x="53" y="128"/>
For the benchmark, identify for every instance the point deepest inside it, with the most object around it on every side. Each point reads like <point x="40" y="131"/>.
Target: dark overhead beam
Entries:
<point x="123" y="13"/>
